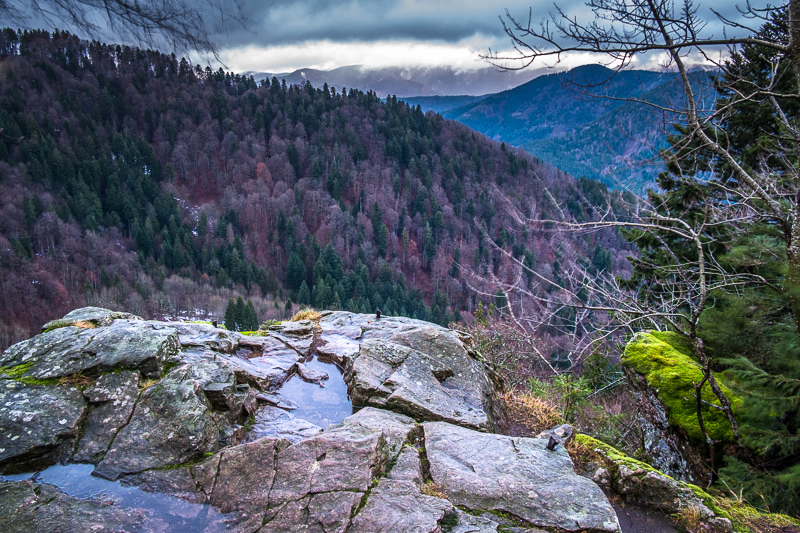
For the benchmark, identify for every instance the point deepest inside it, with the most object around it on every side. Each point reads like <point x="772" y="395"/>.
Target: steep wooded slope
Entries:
<point x="132" y="179"/>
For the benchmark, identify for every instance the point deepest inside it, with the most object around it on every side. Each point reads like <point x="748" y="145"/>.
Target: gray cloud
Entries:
<point x="298" y="21"/>
<point x="287" y="22"/>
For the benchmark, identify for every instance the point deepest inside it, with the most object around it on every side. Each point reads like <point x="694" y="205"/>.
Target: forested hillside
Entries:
<point x="132" y="179"/>
<point x="582" y="122"/>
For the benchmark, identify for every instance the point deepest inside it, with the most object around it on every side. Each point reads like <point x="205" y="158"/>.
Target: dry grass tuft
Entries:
<point x="306" y="314"/>
<point x="580" y="454"/>
<point x="534" y="413"/>
<point x="691" y="519"/>
<point x="432" y="489"/>
<point x="76" y="380"/>
<point x="147" y="383"/>
<point x="84" y="324"/>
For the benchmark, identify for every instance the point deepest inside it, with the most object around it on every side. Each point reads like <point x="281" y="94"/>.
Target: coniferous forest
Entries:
<point x="132" y="179"/>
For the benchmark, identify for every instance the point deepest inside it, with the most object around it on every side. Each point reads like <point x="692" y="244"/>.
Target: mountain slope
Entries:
<point x="602" y="136"/>
<point x="129" y="179"/>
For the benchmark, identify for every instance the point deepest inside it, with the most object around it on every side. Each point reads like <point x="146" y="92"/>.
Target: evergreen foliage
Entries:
<point x="751" y="333"/>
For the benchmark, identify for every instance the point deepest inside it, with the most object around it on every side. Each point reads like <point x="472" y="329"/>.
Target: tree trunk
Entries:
<point x="793" y="240"/>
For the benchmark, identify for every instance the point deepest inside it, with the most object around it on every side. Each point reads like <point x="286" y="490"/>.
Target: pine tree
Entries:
<point x="240" y="313"/>
<point x="295" y="272"/>
<point x="251" y="317"/>
<point x="230" y="318"/>
<point x="304" y="295"/>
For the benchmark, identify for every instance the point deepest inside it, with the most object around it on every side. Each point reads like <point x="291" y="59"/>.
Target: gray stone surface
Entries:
<point x="323" y="513"/>
<point x="409" y="366"/>
<point x="35" y="419"/>
<point x="468" y="523"/>
<point x="310" y="375"/>
<point x="517" y="476"/>
<point x="395" y="427"/>
<point x="112" y="398"/>
<point x="397" y="506"/>
<point x="171" y="425"/>
<point x="183" y="433"/>
<point x="124" y="344"/>
<point x="240" y="477"/>
<point x="26" y="507"/>
<point x="346" y="458"/>
<point x="274" y="422"/>
<point x="408" y="466"/>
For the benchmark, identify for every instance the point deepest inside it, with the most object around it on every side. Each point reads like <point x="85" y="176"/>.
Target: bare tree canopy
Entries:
<point x="181" y="25"/>
<point x="720" y="236"/>
<point x="624" y="29"/>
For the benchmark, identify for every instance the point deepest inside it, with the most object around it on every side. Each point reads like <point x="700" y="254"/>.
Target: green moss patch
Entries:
<point x="19" y="373"/>
<point x="613" y="455"/>
<point x="665" y="360"/>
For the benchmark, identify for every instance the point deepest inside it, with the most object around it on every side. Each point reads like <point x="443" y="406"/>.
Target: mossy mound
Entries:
<point x="666" y="362"/>
<point x="641" y="484"/>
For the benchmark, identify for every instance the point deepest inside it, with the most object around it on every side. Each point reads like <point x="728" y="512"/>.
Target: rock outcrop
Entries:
<point x="198" y="413"/>
<point x="660" y="368"/>
<point x="642" y="485"/>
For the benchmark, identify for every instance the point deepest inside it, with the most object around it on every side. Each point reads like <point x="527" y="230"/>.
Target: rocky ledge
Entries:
<point x="204" y="418"/>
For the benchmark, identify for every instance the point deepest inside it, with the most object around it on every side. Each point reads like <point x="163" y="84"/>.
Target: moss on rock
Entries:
<point x="666" y="362"/>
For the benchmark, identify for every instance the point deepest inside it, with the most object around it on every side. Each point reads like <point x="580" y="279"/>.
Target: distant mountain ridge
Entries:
<point x="409" y="81"/>
<point x="606" y="138"/>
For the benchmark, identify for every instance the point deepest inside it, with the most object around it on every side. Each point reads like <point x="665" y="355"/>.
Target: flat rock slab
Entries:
<point x="327" y="512"/>
<point x="341" y="459"/>
<point x="240" y="477"/>
<point x="274" y="422"/>
<point x="519" y="476"/>
<point x="396" y="428"/>
<point x="34" y="419"/>
<point x="397" y="506"/>
<point x="26" y="507"/>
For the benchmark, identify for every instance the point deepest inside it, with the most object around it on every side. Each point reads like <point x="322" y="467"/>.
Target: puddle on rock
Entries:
<point x="323" y="405"/>
<point x="165" y="513"/>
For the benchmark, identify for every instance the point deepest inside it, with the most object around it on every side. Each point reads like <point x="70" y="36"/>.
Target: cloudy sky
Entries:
<point x="285" y="35"/>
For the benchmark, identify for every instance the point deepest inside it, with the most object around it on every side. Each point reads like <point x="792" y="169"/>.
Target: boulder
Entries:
<point x="35" y="419"/>
<point x="112" y="398"/>
<point x="662" y="370"/>
<point x="123" y="345"/>
<point x="171" y="425"/>
<point x="519" y="476"/>
<point x="410" y="366"/>
<point x="89" y="317"/>
<point x="640" y="484"/>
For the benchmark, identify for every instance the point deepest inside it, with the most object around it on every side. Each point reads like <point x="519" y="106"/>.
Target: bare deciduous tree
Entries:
<point x="737" y="192"/>
<point x="183" y="25"/>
